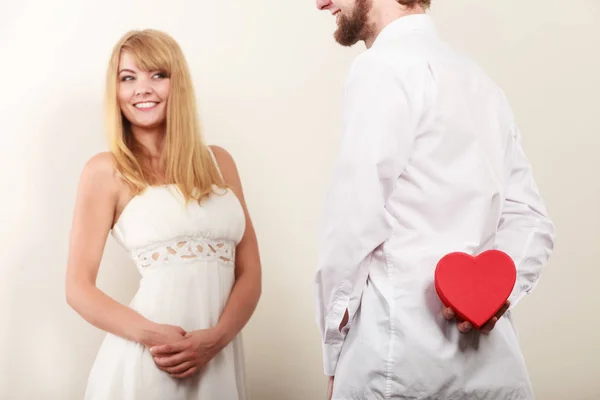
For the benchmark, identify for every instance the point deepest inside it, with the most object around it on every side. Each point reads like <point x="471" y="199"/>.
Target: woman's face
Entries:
<point x="142" y="95"/>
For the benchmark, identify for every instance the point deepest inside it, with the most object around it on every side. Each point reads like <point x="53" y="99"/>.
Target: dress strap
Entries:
<point x="216" y="163"/>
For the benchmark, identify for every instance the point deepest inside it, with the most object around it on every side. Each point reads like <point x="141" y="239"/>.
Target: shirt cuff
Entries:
<point x="520" y="292"/>
<point x="331" y="355"/>
<point x="334" y="339"/>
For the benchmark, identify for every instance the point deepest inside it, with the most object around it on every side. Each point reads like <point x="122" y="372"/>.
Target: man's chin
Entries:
<point x="344" y="40"/>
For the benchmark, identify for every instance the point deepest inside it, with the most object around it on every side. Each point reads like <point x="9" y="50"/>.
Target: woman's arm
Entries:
<point x="97" y="196"/>
<point x="186" y="357"/>
<point x="247" y="288"/>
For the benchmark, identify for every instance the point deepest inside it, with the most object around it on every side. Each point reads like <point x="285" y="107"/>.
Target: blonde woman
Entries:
<point x="177" y="206"/>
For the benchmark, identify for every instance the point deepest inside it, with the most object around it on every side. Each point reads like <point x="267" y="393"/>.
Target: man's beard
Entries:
<point x="355" y="27"/>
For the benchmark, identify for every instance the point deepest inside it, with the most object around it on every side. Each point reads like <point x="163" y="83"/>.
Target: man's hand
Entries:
<point x="186" y="357"/>
<point x="330" y="388"/>
<point x="465" y="326"/>
<point x="344" y="321"/>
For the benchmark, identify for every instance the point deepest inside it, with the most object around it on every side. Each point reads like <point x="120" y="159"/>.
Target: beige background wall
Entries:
<point x="269" y="80"/>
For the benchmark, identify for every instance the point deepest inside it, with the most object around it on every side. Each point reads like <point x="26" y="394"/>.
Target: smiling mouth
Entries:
<point x="147" y="105"/>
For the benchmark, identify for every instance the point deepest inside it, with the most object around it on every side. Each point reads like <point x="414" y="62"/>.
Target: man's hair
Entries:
<point x="411" y="3"/>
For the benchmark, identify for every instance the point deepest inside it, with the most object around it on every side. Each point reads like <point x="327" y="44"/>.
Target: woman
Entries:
<point x="177" y="206"/>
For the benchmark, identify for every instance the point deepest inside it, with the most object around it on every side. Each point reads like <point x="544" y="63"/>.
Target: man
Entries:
<point x="430" y="163"/>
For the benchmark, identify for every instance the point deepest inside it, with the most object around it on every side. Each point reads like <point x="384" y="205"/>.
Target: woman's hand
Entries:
<point x="162" y="334"/>
<point x="187" y="356"/>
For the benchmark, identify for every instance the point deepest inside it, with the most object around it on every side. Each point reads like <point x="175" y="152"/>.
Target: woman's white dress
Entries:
<point x="185" y="255"/>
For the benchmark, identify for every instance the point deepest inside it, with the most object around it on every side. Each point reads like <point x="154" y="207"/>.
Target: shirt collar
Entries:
<point x="404" y="25"/>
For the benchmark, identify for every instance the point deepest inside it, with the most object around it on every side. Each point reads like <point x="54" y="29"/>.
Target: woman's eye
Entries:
<point x="160" y="75"/>
<point x="126" y="78"/>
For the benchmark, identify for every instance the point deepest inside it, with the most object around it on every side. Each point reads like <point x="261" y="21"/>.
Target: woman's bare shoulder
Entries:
<point x="228" y="168"/>
<point x="102" y="162"/>
<point x="100" y="171"/>
<point x="225" y="162"/>
<point x="223" y="157"/>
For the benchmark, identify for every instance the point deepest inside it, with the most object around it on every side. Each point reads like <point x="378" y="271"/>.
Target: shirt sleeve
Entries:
<point x="526" y="232"/>
<point x="382" y="107"/>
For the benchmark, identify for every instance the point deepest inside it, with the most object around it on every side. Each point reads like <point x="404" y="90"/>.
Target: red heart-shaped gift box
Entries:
<point x="475" y="287"/>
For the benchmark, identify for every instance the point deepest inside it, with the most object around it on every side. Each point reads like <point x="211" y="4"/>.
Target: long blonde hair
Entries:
<point x="186" y="160"/>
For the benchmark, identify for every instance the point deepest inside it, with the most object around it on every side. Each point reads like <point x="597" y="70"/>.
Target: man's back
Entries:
<point x="450" y="194"/>
<point x="461" y="183"/>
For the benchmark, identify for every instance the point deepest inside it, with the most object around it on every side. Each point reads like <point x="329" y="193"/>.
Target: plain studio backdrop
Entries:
<point x="269" y="79"/>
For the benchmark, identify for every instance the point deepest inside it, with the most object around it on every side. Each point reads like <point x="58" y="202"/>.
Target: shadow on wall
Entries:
<point x="52" y="347"/>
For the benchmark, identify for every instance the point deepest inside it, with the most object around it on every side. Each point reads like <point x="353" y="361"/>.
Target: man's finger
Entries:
<point x="487" y="328"/>
<point x="503" y="310"/>
<point x="465" y="326"/>
<point x="448" y="313"/>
